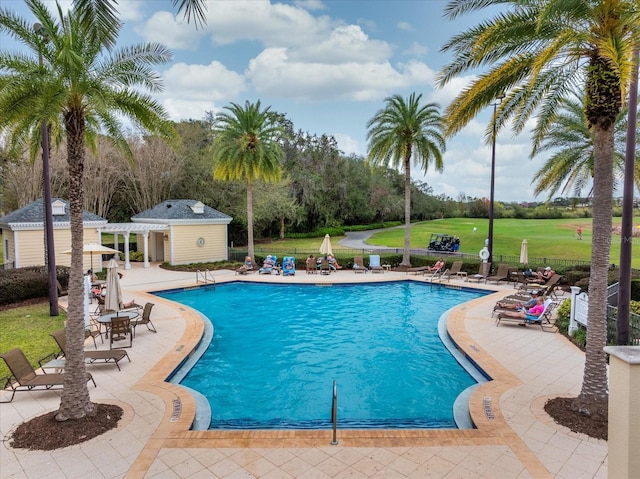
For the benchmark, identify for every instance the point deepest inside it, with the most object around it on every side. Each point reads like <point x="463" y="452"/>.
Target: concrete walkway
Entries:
<point x="514" y="436"/>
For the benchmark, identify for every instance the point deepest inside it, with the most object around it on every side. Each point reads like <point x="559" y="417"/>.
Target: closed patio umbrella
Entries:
<point x="524" y="253"/>
<point x="325" y="247"/>
<point x="113" y="299"/>
<point x="91" y="248"/>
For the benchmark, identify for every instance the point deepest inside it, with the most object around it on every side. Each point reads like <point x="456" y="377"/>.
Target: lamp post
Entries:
<point x="48" y="213"/>
<point x="493" y="180"/>
<point x="626" y="233"/>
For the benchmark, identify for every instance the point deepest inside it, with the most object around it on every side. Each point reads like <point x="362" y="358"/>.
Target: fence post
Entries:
<point x="573" y="325"/>
<point x="624" y="411"/>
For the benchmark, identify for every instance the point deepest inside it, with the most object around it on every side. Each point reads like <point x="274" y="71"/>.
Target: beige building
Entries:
<point x="23" y="235"/>
<point x="175" y="231"/>
<point x="194" y="232"/>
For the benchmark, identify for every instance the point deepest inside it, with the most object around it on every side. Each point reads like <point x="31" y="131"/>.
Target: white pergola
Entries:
<point x="125" y="229"/>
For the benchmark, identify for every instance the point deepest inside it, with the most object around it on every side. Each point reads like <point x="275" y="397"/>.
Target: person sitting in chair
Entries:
<point x="530" y="303"/>
<point x="545" y="275"/>
<point x="247" y="266"/>
<point x="333" y="263"/>
<point x="436" y="267"/>
<point x="532" y="314"/>
<point x="268" y="262"/>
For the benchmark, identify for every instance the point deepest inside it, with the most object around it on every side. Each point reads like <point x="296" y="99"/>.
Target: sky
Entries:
<point x="328" y="65"/>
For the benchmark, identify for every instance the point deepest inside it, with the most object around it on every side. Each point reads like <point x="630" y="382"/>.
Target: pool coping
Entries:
<point x="180" y="406"/>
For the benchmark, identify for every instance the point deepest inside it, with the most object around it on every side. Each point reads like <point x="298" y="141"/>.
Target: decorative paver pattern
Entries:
<point x="519" y="440"/>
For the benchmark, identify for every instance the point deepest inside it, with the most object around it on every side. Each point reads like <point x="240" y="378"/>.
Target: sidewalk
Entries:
<point x="515" y="438"/>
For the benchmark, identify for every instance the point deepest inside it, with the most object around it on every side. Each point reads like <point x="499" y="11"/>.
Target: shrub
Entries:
<point x="564" y="310"/>
<point x="580" y="337"/>
<point x="634" y="307"/>
<point x="136" y="256"/>
<point x="28" y="283"/>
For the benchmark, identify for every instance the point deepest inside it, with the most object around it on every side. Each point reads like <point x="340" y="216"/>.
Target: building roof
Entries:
<point x="32" y="215"/>
<point x="182" y="211"/>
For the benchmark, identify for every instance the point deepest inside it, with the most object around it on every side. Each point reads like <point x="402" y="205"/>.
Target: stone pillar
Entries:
<point x="573" y="325"/>
<point x="624" y="411"/>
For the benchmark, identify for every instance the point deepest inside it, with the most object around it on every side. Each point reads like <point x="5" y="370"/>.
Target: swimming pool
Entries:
<point x="277" y="349"/>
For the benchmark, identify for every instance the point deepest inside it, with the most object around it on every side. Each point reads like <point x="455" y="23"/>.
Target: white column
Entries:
<point x="573" y="325"/>
<point x="127" y="265"/>
<point x="146" y="248"/>
<point x="624" y="411"/>
<point x="99" y="268"/>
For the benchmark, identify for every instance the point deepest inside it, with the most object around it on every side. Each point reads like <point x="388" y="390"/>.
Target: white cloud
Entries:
<point x="179" y="109"/>
<point x="206" y="83"/>
<point x="310" y="4"/>
<point x="405" y="26"/>
<point x="416" y="50"/>
<point x="348" y="144"/>
<point x="273" y="73"/>
<point x="166" y="28"/>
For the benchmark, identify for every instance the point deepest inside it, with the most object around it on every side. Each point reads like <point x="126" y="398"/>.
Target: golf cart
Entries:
<point x="443" y="243"/>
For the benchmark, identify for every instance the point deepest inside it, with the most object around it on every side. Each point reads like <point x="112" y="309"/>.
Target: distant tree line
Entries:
<point x="321" y="186"/>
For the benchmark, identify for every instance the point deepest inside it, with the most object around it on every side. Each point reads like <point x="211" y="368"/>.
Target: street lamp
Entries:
<point x="48" y="213"/>
<point x="493" y="181"/>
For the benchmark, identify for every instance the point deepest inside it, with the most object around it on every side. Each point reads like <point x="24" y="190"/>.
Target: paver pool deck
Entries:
<point x="514" y="437"/>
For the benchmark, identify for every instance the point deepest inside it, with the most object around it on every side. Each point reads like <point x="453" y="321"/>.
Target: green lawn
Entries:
<point x="545" y="238"/>
<point x="28" y="328"/>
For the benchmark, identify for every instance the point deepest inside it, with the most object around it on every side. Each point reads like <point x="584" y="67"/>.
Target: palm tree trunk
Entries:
<point x="594" y="386"/>
<point x="249" y="219"/>
<point x="75" y="402"/>
<point x="406" y="256"/>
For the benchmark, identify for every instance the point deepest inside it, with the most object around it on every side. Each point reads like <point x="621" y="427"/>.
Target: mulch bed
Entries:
<point x="44" y="433"/>
<point x="595" y="426"/>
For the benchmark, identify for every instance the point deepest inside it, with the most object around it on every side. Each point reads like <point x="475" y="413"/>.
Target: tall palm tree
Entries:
<point x="570" y="167"/>
<point x="83" y="91"/>
<point x="247" y="148"/>
<point x="402" y="132"/>
<point x="537" y="51"/>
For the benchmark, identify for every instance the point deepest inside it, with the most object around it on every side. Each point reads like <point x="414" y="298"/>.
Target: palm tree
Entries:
<point x="247" y="148"/>
<point x="82" y="91"/>
<point x="101" y="15"/>
<point x="537" y="51"/>
<point x="399" y="133"/>
<point x="570" y="167"/>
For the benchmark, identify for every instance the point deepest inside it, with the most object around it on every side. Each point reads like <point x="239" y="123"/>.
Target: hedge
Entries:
<point x="28" y="283"/>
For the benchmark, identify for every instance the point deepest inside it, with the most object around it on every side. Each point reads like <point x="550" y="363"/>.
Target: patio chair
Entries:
<point x="358" y="265"/>
<point x="311" y="265"/>
<point x="325" y="267"/>
<point x="25" y="376"/>
<point x="501" y="275"/>
<point x="418" y="270"/>
<point x="456" y="266"/>
<point x="144" y="319"/>
<point x="544" y="320"/>
<point x="93" y="331"/>
<point x="289" y="266"/>
<point x="107" y="356"/>
<point x="482" y="273"/>
<point x="374" y="264"/>
<point x="120" y="329"/>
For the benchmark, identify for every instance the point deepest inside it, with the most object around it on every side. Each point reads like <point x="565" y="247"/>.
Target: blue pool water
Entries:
<point x="278" y="348"/>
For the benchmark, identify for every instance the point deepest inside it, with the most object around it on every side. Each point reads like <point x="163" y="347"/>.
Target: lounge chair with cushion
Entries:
<point x="269" y="266"/>
<point x="144" y="319"/>
<point x="482" y="273"/>
<point x="374" y="264"/>
<point x="358" y="265"/>
<point x="25" y="376"/>
<point x="289" y="266"/>
<point x="544" y="320"/>
<point x="91" y="356"/>
<point x="501" y="275"/>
